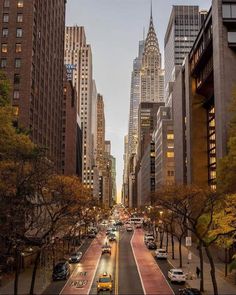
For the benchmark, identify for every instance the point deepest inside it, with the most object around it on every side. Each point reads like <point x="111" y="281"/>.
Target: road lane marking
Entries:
<point x="117" y="267"/>
<point x="144" y="291"/>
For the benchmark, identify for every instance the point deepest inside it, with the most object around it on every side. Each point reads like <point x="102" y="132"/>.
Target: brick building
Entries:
<point x="32" y="56"/>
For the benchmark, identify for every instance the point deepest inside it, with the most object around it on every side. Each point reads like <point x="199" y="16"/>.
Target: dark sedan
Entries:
<point x="189" y="291"/>
<point x="61" y="271"/>
<point x="151" y="246"/>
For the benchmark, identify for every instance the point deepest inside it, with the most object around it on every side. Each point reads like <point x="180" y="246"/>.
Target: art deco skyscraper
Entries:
<point x="32" y="45"/>
<point x="78" y="53"/>
<point x="151" y="72"/>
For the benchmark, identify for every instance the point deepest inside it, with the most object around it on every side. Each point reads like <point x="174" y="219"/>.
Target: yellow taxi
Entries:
<point x="104" y="283"/>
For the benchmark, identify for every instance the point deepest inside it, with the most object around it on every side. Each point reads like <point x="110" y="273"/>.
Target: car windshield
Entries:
<point x="162" y="251"/>
<point x="104" y="280"/>
<point x="177" y="272"/>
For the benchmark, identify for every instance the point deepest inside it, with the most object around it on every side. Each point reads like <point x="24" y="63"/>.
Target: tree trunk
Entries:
<point x="173" y="246"/>
<point x="161" y="239"/>
<point x="167" y="241"/>
<point x="226" y="262"/>
<point x="36" y="263"/>
<point x="16" y="272"/>
<point x="180" y="253"/>
<point x="201" y="267"/>
<point x="213" y="275"/>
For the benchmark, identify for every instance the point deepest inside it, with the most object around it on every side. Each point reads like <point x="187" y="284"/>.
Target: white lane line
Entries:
<point x="131" y="243"/>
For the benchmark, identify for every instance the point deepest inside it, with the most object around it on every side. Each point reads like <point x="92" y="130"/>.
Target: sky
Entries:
<point x="114" y="28"/>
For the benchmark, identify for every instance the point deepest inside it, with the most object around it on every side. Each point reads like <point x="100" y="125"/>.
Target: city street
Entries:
<point x="124" y="265"/>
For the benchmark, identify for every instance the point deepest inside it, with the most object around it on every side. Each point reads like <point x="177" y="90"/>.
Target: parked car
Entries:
<point x="61" y="271"/>
<point x="129" y="228"/>
<point x="176" y="275"/>
<point x="149" y="239"/>
<point x="148" y="236"/>
<point x="161" y="254"/>
<point x="119" y="223"/>
<point x="189" y="291"/>
<point x="151" y="245"/>
<point x="91" y="235"/>
<point x="75" y="257"/>
<point x="114" y="228"/>
<point x="138" y="226"/>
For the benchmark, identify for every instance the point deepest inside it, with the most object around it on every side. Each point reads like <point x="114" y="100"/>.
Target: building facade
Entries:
<point x="182" y="30"/>
<point x="208" y="82"/>
<point x="78" y="53"/>
<point x="32" y="57"/>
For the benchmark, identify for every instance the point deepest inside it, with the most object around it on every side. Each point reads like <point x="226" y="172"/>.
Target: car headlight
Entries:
<point x="99" y="285"/>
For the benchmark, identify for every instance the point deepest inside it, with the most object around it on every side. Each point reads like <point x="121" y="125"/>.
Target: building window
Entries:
<point x="17" y="62"/>
<point x="232" y="37"/>
<point x="5" y="32"/>
<point x="18" y="47"/>
<point x="5" y="17"/>
<point x="6" y="3"/>
<point x="170" y="136"/>
<point x="16" y="94"/>
<point x="4" y="48"/>
<point x="19" y="18"/>
<point x="3" y="62"/>
<point x="16" y="78"/>
<point x="20" y="3"/>
<point x="170" y="154"/>
<point x="19" y="33"/>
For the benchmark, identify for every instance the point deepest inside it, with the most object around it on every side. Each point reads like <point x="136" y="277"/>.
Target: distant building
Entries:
<point x="183" y="27"/>
<point x="135" y="98"/>
<point x="78" y="54"/>
<point x="164" y="148"/>
<point x="113" y="176"/>
<point x="32" y="57"/>
<point x="151" y="73"/>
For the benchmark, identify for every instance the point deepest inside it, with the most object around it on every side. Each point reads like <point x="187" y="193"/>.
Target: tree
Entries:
<point x="4" y="90"/>
<point x="198" y="207"/>
<point x="226" y="167"/>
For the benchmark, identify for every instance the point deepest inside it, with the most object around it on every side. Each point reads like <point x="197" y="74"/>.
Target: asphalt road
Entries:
<point x="165" y="266"/>
<point x="57" y="286"/>
<point x="106" y="264"/>
<point x="129" y="281"/>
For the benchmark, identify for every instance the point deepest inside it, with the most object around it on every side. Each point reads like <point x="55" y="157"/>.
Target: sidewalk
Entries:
<point x="42" y="281"/>
<point x="225" y="285"/>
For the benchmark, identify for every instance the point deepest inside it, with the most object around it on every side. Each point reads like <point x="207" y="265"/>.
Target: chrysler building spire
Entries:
<point x="151" y="43"/>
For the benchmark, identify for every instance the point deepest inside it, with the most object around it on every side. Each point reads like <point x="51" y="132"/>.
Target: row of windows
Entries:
<point x="3" y="63"/>
<point x="19" y="18"/>
<point x="19" y="32"/>
<point x="20" y="3"/>
<point x="4" y="48"/>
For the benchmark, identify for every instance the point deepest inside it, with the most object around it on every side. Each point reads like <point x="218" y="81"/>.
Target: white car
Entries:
<point x="148" y="237"/>
<point x="75" y="257"/>
<point x="176" y="275"/>
<point x="129" y="228"/>
<point x="161" y="254"/>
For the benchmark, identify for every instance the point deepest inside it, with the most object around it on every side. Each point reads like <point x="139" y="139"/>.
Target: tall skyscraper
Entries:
<point x="135" y="97"/>
<point x="78" y="53"/>
<point x="151" y="72"/>
<point x="32" y="57"/>
<point x="182" y="30"/>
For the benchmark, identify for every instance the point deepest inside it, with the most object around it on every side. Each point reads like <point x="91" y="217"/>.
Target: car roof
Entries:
<point x="176" y="269"/>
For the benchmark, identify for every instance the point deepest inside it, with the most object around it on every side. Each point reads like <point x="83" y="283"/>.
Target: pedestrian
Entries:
<point x="198" y="271"/>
